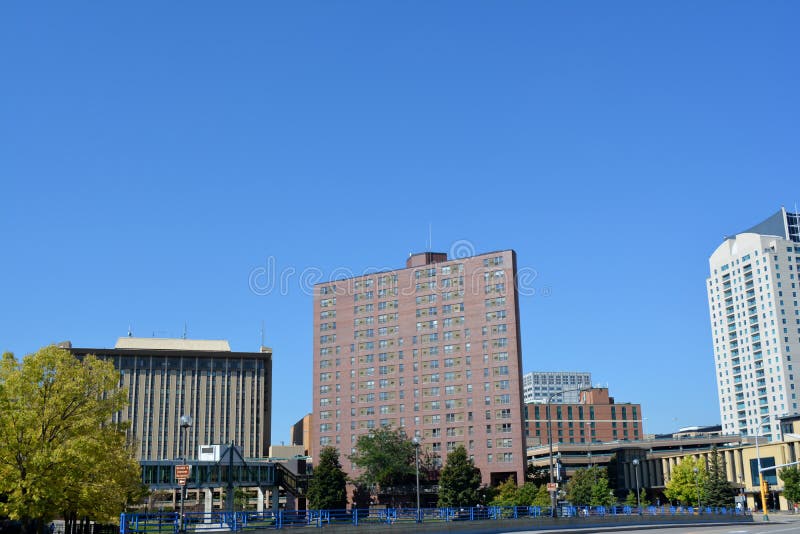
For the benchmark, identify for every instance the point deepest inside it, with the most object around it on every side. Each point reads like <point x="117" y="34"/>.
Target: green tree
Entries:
<point x="386" y="457"/>
<point x="459" y="481"/>
<point x="486" y="495"/>
<point x="684" y="484"/>
<point x="542" y="497"/>
<point x="59" y="450"/>
<point x="527" y="493"/>
<point x="240" y="499"/>
<point x="537" y="475"/>
<point x="506" y="493"/>
<point x="579" y="487"/>
<point x="717" y="490"/>
<point x="328" y="487"/>
<point x="630" y="499"/>
<point x="362" y="497"/>
<point x="791" y="484"/>
<point x="430" y="467"/>
<point x="590" y="486"/>
<point x="601" y="490"/>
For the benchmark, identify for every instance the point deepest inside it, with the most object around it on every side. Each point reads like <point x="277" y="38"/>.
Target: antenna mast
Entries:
<point x="262" y="333"/>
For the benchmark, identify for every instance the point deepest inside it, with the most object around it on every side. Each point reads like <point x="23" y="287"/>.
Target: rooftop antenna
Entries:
<point x="130" y="331"/>
<point x="185" y="327"/>
<point x="262" y="332"/>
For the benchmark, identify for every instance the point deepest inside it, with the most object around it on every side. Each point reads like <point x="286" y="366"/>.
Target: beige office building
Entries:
<point x="755" y="322"/>
<point x="434" y="349"/>
<point x="227" y="394"/>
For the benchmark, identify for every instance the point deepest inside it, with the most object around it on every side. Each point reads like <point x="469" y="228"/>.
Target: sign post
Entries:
<point x="182" y="473"/>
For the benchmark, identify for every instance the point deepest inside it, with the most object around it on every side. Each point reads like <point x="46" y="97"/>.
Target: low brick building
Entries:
<point x="594" y="418"/>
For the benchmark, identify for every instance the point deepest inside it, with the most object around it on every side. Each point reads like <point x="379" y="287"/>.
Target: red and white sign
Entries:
<point x="552" y="486"/>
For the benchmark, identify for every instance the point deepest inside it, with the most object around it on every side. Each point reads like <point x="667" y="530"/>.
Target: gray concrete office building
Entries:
<point x="227" y="394"/>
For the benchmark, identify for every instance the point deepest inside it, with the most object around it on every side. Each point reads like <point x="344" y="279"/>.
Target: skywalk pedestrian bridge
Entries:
<point x="230" y="471"/>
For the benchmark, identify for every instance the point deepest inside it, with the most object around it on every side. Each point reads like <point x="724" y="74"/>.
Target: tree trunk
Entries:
<point x="30" y="526"/>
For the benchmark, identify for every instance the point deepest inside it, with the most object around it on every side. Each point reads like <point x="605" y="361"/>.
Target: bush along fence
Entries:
<point x="168" y="522"/>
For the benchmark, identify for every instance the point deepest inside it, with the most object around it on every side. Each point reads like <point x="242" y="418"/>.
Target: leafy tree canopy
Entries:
<point x="506" y="493"/>
<point x="542" y="497"/>
<point x="328" y="487"/>
<point x="791" y="483"/>
<point x="386" y="457"/>
<point x="537" y="475"/>
<point x="459" y="481"/>
<point x="527" y="493"/>
<point x="590" y="486"/>
<point x="361" y="495"/>
<point x="59" y="451"/>
<point x="630" y="499"/>
<point x="684" y="484"/>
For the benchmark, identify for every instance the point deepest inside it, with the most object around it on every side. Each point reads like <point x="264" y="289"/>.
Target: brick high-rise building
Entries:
<point x="434" y="349"/>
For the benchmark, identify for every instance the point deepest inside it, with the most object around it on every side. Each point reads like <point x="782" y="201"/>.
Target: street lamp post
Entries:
<point x="636" y="472"/>
<point x="550" y="444"/>
<point x="697" y="486"/>
<point x="186" y="422"/>
<point x="553" y="494"/>
<point x="415" y="441"/>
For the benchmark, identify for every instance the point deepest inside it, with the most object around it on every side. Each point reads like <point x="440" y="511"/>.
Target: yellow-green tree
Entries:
<point x="686" y="482"/>
<point x="60" y="453"/>
<point x="507" y="493"/>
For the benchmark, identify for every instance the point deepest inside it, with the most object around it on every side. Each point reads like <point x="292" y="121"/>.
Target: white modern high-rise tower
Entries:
<point x="755" y="322"/>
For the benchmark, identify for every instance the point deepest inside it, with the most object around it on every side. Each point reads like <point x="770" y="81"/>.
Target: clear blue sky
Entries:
<point x="154" y="154"/>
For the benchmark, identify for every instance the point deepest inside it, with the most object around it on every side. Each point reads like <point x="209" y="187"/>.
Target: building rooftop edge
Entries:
<point x="368" y="272"/>
<point x="161" y="343"/>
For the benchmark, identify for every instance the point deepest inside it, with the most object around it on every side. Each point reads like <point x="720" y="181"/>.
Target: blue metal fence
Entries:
<point x="168" y="522"/>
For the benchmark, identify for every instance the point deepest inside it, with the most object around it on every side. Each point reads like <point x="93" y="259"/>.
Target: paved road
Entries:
<point x="779" y="525"/>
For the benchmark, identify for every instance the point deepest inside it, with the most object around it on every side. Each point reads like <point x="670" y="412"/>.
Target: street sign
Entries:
<point x="183" y="471"/>
<point x="552" y="486"/>
<point x="181" y="481"/>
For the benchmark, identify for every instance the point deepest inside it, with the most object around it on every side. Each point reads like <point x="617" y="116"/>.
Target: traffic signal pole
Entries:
<point x="763" y="483"/>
